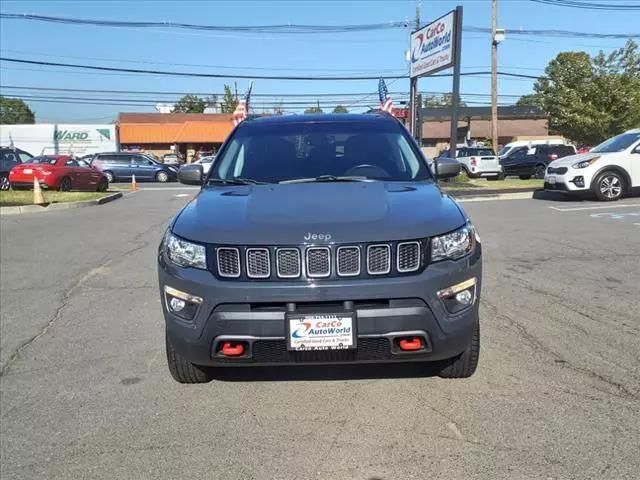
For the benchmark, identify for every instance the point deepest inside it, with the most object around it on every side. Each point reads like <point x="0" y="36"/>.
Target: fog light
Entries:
<point x="181" y="304"/>
<point x="465" y="297"/>
<point x="460" y="296"/>
<point x="578" y="181"/>
<point x="177" y="304"/>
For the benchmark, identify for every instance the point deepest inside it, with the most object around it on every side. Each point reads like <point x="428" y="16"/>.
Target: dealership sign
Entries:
<point x="432" y="47"/>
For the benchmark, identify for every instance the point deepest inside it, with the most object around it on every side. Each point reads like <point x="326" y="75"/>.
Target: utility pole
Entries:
<point x="413" y="92"/>
<point x="494" y="75"/>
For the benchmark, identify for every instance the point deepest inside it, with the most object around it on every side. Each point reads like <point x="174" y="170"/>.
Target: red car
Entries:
<point x="58" y="172"/>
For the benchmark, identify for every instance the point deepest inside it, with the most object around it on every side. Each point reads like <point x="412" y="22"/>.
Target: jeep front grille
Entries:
<point x="288" y="262"/>
<point x="228" y="262"/>
<point x="348" y="263"/>
<point x="258" y="263"/>
<point x="378" y="259"/>
<point x="318" y="262"/>
<point x="408" y="257"/>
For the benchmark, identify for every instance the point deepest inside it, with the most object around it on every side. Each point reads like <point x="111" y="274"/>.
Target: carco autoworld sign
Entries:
<point x="432" y="47"/>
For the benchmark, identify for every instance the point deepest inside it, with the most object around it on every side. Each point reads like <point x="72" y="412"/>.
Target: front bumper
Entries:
<point x="572" y="181"/>
<point x="255" y="312"/>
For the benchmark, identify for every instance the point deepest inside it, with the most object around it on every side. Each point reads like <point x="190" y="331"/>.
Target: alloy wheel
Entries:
<point x="610" y="186"/>
<point x="4" y="183"/>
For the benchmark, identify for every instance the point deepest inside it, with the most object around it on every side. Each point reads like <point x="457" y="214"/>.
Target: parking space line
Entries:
<point x="601" y="207"/>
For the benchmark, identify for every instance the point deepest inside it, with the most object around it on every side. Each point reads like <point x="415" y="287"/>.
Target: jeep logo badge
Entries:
<point x="323" y="237"/>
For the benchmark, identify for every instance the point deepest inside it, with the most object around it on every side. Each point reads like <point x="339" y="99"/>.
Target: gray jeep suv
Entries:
<point x="319" y="239"/>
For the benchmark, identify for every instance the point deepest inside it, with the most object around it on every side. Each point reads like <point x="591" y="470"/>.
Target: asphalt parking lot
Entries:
<point x="85" y="392"/>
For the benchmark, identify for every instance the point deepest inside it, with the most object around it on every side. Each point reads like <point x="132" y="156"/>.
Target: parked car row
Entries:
<point x="18" y="169"/>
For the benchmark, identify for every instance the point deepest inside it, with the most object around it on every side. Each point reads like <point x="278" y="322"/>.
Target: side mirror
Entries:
<point x="447" y="168"/>
<point x="190" y="175"/>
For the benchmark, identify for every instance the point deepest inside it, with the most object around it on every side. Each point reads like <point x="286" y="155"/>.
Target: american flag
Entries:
<point x="386" y="104"/>
<point x="242" y="109"/>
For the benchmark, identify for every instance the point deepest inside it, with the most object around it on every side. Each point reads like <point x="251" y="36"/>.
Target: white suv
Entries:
<point x="609" y="170"/>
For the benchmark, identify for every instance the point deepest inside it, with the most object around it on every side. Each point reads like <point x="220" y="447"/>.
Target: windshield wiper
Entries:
<point x="235" y="181"/>
<point x="327" y="178"/>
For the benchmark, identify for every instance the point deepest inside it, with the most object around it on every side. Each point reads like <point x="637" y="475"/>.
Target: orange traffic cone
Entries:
<point x="134" y="185"/>
<point x="38" y="199"/>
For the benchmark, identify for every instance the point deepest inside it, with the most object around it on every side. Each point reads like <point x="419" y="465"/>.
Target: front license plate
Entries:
<point x="321" y="331"/>
<point x="551" y="180"/>
<point x="28" y="170"/>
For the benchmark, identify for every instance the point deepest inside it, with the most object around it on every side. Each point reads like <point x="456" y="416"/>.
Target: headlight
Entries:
<point x="585" y="163"/>
<point x="185" y="254"/>
<point x="453" y="245"/>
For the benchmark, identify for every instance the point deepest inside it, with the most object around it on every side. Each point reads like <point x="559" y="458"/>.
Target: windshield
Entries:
<point x="49" y="160"/>
<point x="274" y="153"/>
<point x="504" y="150"/>
<point x="617" y="144"/>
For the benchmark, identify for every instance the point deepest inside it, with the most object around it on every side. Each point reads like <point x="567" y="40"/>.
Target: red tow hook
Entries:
<point x="410" y="344"/>
<point x="232" y="349"/>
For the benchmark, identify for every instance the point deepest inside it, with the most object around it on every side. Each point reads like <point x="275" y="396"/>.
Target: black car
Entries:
<point x="526" y="162"/>
<point x="9" y="158"/>
<point x="320" y="239"/>
<point x="119" y="166"/>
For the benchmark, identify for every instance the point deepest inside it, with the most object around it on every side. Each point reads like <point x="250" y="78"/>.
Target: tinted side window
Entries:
<point x="9" y="156"/>
<point x="71" y="163"/>
<point x="519" y="154"/>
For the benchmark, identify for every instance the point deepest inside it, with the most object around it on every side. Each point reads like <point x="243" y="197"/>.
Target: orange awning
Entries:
<point x="186" y="132"/>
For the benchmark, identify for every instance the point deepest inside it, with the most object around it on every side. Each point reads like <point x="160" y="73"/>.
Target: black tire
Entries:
<point x="110" y="176"/>
<point x="184" y="371"/>
<point x="609" y="186"/>
<point x="103" y="185"/>
<point x="4" y="182"/>
<point x="539" y="171"/>
<point x="162" y="177"/>
<point x="524" y="177"/>
<point x="465" y="364"/>
<point x="65" y="185"/>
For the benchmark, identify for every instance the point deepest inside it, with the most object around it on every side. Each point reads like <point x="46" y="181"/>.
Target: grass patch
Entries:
<point x="462" y="182"/>
<point x="13" y="198"/>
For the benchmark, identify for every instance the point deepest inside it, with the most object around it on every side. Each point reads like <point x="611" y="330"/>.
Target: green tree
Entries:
<point x="14" y="110"/>
<point x="190" y="104"/>
<point x="441" y="101"/>
<point x="315" y="109"/>
<point x="340" y="109"/>
<point x="528" y="101"/>
<point x="229" y="101"/>
<point x="589" y="99"/>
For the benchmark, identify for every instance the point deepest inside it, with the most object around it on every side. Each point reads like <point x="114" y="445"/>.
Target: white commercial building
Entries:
<point x="54" y="138"/>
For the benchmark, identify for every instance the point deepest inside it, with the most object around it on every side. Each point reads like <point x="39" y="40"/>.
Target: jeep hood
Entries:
<point x="349" y="212"/>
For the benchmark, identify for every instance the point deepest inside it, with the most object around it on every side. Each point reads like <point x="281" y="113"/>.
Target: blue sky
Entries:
<point x="338" y="53"/>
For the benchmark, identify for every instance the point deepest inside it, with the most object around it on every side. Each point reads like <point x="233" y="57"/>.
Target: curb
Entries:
<point x="469" y="192"/>
<point x="501" y="196"/>
<point x="58" y="206"/>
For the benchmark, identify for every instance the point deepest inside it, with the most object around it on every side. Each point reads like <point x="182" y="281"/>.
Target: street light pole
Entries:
<point x="494" y="75"/>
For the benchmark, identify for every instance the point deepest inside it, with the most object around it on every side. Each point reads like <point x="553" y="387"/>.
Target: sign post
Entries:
<point x="455" y="100"/>
<point x="435" y="47"/>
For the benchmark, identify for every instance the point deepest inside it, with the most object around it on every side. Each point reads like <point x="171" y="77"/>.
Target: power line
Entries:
<point x="590" y="5"/>
<point x="243" y="76"/>
<point x="285" y="28"/>
<point x="275" y="95"/>
<point x="312" y="29"/>
<point x="202" y="65"/>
